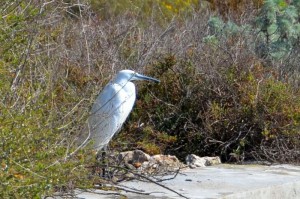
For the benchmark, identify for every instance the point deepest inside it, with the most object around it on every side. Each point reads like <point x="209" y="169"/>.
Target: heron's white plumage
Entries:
<point x="112" y="107"/>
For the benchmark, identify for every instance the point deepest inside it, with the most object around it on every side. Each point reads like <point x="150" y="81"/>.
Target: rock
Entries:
<point x="194" y="161"/>
<point x="212" y="160"/>
<point x="162" y="163"/>
<point x="143" y="162"/>
<point x="129" y="176"/>
<point x="135" y="157"/>
<point x="166" y="160"/>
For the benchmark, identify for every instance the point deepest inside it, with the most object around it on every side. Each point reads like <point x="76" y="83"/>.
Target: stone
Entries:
<point x="135" y="157"/>
<point x="210" y="161"/>
<point x="167" y="160"/>
<point x="194" y="161"/>
<point x="138" y="160"/>
<point x="162" y="163"/>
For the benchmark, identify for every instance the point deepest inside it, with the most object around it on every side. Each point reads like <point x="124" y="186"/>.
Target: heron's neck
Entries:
<point x="121" y="81"/>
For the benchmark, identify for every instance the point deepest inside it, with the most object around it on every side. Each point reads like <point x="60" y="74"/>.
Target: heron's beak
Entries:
<point x="143" y="77"/>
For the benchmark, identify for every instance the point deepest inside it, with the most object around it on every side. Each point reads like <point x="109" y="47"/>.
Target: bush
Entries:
<point x="39" y="110"/>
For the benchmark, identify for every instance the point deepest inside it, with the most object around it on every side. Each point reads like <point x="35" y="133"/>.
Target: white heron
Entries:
<point x="112" y="107"/>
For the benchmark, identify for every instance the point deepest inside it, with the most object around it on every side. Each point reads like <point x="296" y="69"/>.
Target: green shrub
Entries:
<point x="36" y="117"/>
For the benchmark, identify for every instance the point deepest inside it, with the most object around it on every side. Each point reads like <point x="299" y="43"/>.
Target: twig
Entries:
<point x="109" y="193"/>
<point x="159" y="184"/>
<point x="142" y="192"/>
<point x="75" y="151"/>
<point x="257" y="90"/>
<point x="171" y="178"/>
<point x="170" y="28"/>
<point x="27" y="169"/>
<point x="82" y="145"/>
<point x="72" y="110"/>
<point x="153" y="181"/>
<point x="85" y="39"/>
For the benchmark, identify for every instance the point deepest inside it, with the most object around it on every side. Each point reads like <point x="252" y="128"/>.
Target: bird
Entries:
<point x="112" y="107"/>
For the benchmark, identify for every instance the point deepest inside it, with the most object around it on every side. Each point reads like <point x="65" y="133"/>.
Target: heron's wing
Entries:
<point x="104" y="103"/>
<point x="109" y="112"/>
<point x="101" y="118"/>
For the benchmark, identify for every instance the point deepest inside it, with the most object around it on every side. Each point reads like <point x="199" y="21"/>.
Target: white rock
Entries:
<point x="194" y="161"/>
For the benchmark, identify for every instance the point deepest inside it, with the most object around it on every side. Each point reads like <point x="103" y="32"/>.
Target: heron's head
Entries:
<point x="129" y="75"/>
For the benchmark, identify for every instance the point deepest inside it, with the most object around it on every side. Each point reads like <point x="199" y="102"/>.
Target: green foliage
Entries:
<point x="219" y="30"/>
<point x="32" y="142"/>
<point x="216" y="24"/>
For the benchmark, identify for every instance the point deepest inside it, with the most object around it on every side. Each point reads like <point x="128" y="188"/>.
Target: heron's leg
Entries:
<point x="101" y="157"/>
